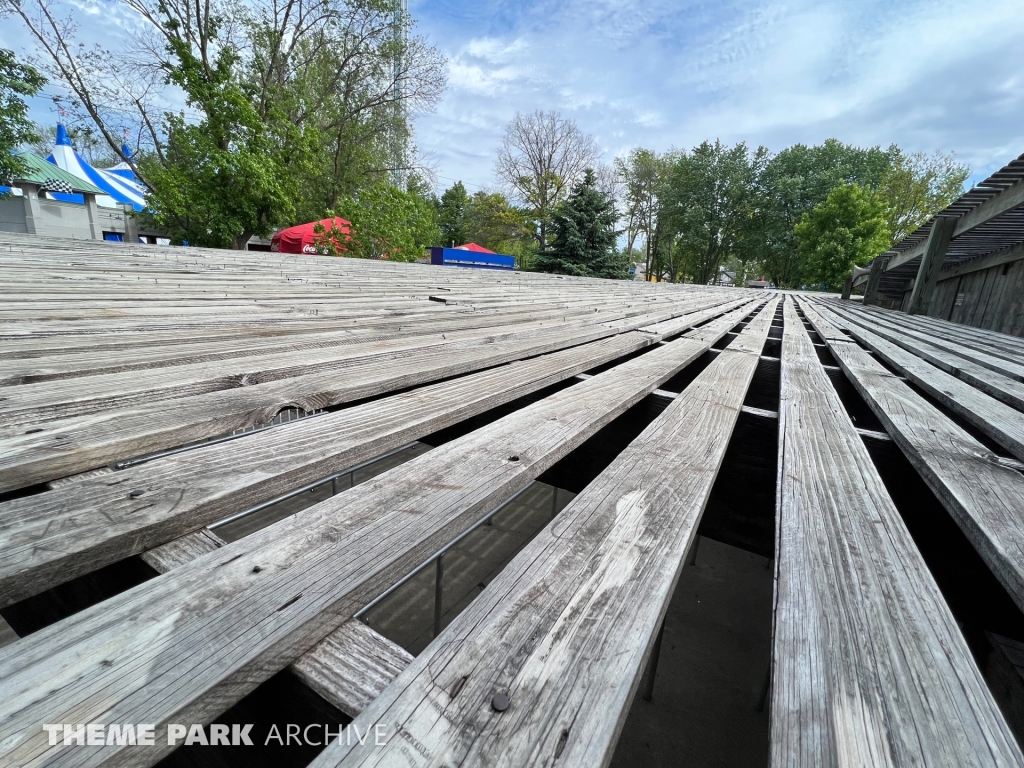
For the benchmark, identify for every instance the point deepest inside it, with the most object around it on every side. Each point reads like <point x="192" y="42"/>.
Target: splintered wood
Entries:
<point x="148" y="393"/>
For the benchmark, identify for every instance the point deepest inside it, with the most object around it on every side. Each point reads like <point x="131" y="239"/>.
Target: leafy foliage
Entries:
<point x="792" y="183"/>
<point x="292" y="106"/>
<point x="584" y="235"/>
<point x="709" y="198"/>
<point x="17" y="82"/>
<point x="642" y="175"/>
<point x="848" y="228"/>
<point x="493" y="222"/>
<point x="387" y="223"/>
<point x="916" y="186"/>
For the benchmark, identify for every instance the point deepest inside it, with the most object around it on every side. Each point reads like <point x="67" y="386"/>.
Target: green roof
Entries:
<point x="39" y="170"/>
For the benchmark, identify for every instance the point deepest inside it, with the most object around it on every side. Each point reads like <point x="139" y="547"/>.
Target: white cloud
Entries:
<point x="926" y="74"/>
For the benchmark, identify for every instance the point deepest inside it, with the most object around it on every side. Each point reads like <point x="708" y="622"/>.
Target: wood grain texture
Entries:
<point x="49" y="538"/>
<point x="983" y="492"/>
<point x="187" y="645"/>
<point x="566" y="629"/>
<point x="994" y="418"/>
<point x="181" y="550"/>
<point x="68" y="445"/>
<point x="351" y="666"/>
<point x="869" y="667"/>
<point x="991" y="382"/>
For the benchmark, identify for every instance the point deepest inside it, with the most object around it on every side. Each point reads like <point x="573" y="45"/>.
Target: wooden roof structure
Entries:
<point x="141" y="396"/>
<point x="989" y="230"/>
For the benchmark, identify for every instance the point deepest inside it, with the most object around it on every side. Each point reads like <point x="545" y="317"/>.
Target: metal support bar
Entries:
<point x="692" y="558"/>
<point x="652" y="664"/>
<point x="482" y="521"/>
<point x="438" y="594"/>
<point x="310" y="486"/>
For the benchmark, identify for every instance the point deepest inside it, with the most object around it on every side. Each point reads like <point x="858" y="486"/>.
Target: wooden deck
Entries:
<point x="208" y="413"/>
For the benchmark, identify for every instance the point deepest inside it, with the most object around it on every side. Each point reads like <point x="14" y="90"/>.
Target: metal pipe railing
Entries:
<point x="332" y="479"/>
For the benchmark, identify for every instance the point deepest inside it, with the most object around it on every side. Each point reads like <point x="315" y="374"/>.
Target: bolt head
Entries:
<point x="500" y="702"/>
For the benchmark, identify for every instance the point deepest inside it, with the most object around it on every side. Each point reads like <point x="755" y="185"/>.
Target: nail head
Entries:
<point x="500" y="702"/>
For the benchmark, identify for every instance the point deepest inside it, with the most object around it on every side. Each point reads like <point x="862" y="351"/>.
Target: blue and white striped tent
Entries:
<point x="120" y="189"/>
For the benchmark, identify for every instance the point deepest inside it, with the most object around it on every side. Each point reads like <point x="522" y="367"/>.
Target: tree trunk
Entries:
<point x="241" y="240"/>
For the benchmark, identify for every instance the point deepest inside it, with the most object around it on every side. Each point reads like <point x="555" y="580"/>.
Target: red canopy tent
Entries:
<point x="301" y="239"/>
<point x="473" y="247"/>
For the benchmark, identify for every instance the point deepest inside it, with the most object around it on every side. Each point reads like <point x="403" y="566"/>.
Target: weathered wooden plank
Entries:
<point x="1001" y="422"/>
<point x="67" y="446"/>
<point x="983" y="492"/>
<point x="566" y="629"/>
<point x="181" y="550"/>
<point x="869" y="667"/>
<point x="351" y="666"/>
<point x="29" y="404"/>
<point x="52" y="537"/>
<point x="987" y="344"/>
<point x="185" y="646"/>
<point x="1003" y="388"/>
<point x="49" y="538"/>
<point x="7" y="635"/>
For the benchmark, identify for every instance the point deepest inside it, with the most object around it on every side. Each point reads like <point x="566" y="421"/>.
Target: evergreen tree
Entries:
<point x="451" y="215"/>
<point x="584" y="242"/>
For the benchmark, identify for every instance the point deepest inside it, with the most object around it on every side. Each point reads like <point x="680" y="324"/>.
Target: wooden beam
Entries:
<point x="349" y="668"/>
<point x="188" y="645"/>
<point x="52" y="537"/>
<point x="982" y="494"/>
<point x="931" y="264"/>
<point x="352" y="666"/>
<point x="874" y="277"/>
<point x="564" y="632"/>
<point x="1005" y="201"/>
<point x="1008" y="256"/>
<point x="847" y="287"/>
<point x="869" y="665"/>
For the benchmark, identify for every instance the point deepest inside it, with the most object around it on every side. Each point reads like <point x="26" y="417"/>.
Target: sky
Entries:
<point x="927" y="75"/>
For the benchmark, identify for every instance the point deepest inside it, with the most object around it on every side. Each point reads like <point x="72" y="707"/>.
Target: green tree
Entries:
<point x="642" y="174"/>
<point x="292" y="106"/>
<point x="585" y="235"/>
<point x="791" y="184"/>
<point x="917" y="186"/>
<point x="452" y="215"/>
<point x="387" y="223"/>
<point x="493" y="222"/>
<point x="708" y="201"/>
<point x="848" y="228"/>
<point x="17" y="82"/>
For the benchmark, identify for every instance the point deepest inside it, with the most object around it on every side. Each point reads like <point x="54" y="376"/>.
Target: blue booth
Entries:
<point x="477" y="259"/>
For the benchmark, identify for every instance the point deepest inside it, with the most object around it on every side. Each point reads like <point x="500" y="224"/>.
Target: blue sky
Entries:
<point x="928" y="75"/>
